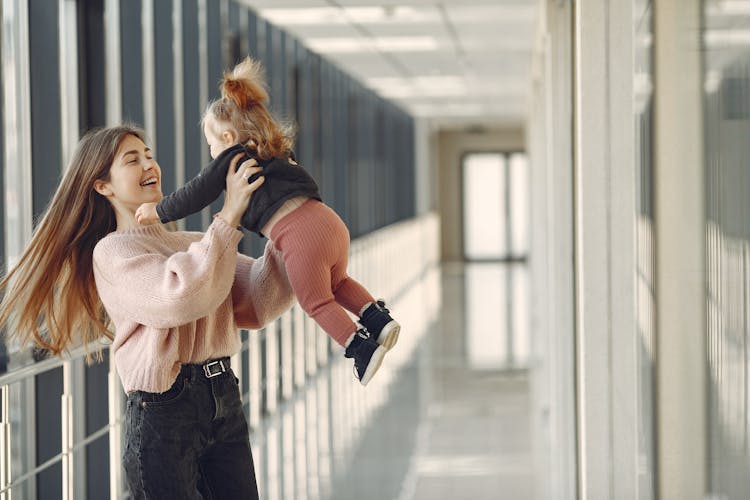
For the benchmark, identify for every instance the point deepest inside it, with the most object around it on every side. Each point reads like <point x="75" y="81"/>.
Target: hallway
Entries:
<point x="445" y="427"/>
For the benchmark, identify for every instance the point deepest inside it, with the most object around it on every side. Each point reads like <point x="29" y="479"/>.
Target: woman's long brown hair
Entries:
<point x="49" y="296"/>
<point x="243" y="107"/>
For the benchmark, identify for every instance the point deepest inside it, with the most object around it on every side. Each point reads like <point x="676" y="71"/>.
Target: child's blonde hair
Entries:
<point x="242" y="107"/>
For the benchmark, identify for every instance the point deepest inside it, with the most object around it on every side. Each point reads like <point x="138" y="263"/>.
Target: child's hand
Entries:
<point x="146" y="214"/>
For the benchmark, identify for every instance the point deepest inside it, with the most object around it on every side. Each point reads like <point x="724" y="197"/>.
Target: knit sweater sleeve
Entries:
<point x="200" y="191"/>
<point x="261" y="291"/>
<point x="164" y="291"/>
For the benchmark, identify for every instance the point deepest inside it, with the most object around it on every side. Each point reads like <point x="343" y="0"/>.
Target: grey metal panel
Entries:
<point x="252" y="33"/>
<point x="131" y="62"/>
<point x="96" y="417"/>
<point x="192" y="108"/>
<point x="49" y="389"/>
<point x="341" y="164"/>
<point x="47" y="154"/>
<point x="215" y="29"/>
<point x="165" y="84"/>
<point x="45" y="100"/>
<point x="91" y="79"/>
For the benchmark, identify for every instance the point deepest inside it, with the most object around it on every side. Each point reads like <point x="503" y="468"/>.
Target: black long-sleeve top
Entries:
<point x="284" y="180"/>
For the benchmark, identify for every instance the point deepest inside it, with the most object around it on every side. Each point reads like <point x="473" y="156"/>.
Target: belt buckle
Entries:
<point x="210" y="373"/>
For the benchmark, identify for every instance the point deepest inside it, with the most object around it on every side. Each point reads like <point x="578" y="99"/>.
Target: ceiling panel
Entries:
<point x="449" y="60"/>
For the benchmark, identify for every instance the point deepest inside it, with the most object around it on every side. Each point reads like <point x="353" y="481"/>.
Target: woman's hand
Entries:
<point x="238" y="190"/>
<point x="146" y="214"/>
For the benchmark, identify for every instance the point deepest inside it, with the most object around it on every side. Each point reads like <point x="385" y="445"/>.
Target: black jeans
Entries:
<point x="190" y="442"/>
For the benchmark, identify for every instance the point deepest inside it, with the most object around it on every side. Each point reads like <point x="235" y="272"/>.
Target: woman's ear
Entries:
<point x="102" y="187"/>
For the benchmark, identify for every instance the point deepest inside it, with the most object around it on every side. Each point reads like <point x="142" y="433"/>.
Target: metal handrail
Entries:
<point x="39" y="367"/>
<point x="377" y="254"/>
<point x="58" y="458"/>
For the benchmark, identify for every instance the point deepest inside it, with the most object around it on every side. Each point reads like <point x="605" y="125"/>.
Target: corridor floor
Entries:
<point x="456" y="424"/>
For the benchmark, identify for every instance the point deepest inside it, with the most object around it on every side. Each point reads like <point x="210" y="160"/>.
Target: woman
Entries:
<point x="174" y="300"/>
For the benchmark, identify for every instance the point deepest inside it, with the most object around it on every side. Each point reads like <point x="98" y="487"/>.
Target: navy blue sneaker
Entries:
<point x="367" y="355"/>
<point x="383" y="329"/>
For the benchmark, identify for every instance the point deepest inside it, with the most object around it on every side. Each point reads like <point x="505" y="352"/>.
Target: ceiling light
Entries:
<point x="423" y="86"/>
<point x="728" y="8"/>
<point x="315" y="15"/>
<point x="383" y="44"/>
<point x="447" y="109"/>
<point x="360" y="15"/>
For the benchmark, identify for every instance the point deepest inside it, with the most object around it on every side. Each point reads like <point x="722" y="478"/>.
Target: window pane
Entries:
<point x="484" y="206"/>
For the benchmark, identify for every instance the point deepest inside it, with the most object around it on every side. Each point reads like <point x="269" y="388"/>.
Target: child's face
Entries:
<point x="217" y="136"/>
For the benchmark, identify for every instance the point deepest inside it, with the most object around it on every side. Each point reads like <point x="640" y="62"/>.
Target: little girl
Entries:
<point x="288" y="210"/>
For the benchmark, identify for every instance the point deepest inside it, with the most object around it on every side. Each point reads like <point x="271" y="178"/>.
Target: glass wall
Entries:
<point x="643" y="100"/>
<point x="495" y="194"/>
<point x="158" y="63"/>
<point x="727" y="148"/>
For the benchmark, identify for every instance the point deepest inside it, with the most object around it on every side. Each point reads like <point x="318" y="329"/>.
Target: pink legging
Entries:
<point x="315" y="244"/>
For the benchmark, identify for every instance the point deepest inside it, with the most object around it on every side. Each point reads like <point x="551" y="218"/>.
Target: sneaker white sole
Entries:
<point x="372" y="367"/>
<point x="389" y="335"/>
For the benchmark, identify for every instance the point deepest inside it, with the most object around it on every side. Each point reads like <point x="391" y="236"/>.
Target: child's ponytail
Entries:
<point x="242" y="109"/>
<point x="245" y="85"/>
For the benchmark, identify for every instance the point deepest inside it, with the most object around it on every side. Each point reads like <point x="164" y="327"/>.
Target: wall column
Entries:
<point x="680" y="251"/>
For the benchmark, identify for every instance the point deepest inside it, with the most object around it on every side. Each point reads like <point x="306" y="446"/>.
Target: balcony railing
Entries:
<point x="294" y="383"/>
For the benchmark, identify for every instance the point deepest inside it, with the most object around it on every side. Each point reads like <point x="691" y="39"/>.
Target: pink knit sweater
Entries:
<point x="177" y="297"/>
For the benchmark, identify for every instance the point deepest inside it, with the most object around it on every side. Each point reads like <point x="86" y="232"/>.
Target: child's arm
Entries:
<point x="200" y="191"/>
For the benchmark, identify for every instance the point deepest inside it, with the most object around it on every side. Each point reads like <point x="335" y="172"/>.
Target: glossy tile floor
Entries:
<point x="451" y="421"/>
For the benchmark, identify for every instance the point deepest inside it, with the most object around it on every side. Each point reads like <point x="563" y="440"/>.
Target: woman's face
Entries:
<point x="134" y="177"/>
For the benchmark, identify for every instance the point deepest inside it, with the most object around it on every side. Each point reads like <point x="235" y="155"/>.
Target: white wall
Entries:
<point x="552" y="255"/>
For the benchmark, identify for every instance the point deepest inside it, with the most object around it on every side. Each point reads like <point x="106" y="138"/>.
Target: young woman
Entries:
<point x="170" y="302"/>
<point x="288" y="210"/>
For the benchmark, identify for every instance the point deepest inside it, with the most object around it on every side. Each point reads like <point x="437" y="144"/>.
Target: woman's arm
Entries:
<point x="170" y="290"/>
<point x="261" y="291"/>
<point x="167" y="291"/>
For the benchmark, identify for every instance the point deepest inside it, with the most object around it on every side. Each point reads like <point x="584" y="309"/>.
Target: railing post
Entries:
<point x="66" y="407"/>
<point x="254" y="362"/>
<point x="298" y="320"/>
<point x="287" y="355"/>
<point x="272" y="367"/>
<point x="5" y="456"/>
<point x="115" y="412"/>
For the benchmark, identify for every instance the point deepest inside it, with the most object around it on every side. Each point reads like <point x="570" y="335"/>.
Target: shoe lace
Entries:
<point x="381" y="305"/>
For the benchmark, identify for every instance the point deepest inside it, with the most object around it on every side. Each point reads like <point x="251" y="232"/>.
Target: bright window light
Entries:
<point x="728" y="8"/>
<point x="421" y="86"/>
<point x="391" y="44"/>
<point x="361" y="15"/>
<point x="319" y="15"/>
<point x="447" y="109"/>
<point x="727" y="38"/>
